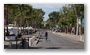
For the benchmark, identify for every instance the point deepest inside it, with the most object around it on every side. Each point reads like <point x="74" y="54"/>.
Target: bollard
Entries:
<point x="31" y="41"/>
<point x="30" y="44"/>
<point x="16" y="42"/>
<point x="81" y="38"/>
<point x="10" y="44"/>
<point x="23" y="43"/>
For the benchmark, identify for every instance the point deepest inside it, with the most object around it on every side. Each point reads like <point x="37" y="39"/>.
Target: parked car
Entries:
<point x="9" y="33"/>
<point x="57" y="30"/>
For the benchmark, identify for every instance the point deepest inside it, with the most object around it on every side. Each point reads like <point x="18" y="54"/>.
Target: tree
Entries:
<point x="12" y="11"/>
<point x="24" y="14"/>
<point x="37" y="17"/>
<point x="67" y="15"/>
<point x="54" y="17"/>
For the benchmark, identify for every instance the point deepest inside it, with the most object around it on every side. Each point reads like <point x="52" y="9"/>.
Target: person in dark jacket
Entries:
<point x="46" y="35"/>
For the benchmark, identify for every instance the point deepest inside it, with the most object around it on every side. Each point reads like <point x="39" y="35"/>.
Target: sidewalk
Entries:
<point x="71" y="36"/>
<point x="11" y="44"/>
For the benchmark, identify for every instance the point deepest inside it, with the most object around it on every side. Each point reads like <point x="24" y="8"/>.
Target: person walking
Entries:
<point x="46" y="35"/>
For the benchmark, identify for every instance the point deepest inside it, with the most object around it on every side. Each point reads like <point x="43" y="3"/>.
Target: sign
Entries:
<point x="79" y="21"/>
<point x="82" y="22"/>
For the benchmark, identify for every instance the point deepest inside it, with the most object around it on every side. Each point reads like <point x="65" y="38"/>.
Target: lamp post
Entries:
<point x="7" y="19"/>
<point x="8" y="5"/>
<point x="4" y="22"/>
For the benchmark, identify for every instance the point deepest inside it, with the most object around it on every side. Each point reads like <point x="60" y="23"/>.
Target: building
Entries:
<point x="44" y="22"/>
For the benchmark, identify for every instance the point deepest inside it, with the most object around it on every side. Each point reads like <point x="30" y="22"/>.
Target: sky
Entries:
<point x="48" y="8"/>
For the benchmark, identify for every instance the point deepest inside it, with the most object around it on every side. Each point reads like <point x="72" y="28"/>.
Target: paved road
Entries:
<point x="58" y="42"/>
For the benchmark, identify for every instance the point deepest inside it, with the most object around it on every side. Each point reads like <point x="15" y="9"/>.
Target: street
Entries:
<point x="54" y="41"/>
<point x="37" y="26"/>
<point x="58" y="42"/>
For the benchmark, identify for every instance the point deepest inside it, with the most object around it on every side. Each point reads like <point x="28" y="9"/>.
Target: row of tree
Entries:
<point x="66" y="17"/>
<point x="23" y="15"/>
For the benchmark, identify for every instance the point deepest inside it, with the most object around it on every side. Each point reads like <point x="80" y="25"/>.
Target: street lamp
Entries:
<point x="4" y="22"/>
<point x="7" y="19"/>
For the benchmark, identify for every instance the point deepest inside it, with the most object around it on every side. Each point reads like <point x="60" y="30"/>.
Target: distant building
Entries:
<point x="44" y="22"/>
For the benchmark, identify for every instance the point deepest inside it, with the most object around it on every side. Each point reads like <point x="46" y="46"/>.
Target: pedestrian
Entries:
<point x="72" y="30"/>
<point x="46" y="35"/>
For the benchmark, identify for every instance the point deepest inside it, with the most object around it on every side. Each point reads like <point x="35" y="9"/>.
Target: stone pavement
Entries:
<point x="71" y="36"/>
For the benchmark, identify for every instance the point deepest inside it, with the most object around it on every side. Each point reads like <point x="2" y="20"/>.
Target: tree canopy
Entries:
<point x="67" y="16"/>
<point x="24" y="15"/>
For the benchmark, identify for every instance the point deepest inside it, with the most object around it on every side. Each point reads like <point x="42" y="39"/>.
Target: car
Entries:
<point x="57" y="30"/>
<point x="10" y="33"/>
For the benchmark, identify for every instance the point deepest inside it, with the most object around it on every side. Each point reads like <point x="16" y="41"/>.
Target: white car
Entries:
<point x="12" y="33"/>
<point x="11" y="36"/>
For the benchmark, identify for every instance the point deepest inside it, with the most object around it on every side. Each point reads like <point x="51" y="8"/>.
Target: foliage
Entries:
<point x="24" y="15"/>
<point x="67" y="16"/>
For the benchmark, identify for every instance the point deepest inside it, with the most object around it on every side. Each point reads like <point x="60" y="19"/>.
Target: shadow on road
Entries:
<point x="10" y="47"/>
<point x="35" y="47"/>
<point x="53" y="48"/>
<point x="41" y="38"/>
<point x="22" y="44"/>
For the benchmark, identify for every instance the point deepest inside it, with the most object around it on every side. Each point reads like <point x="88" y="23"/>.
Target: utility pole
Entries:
<point x="7" y="19"/>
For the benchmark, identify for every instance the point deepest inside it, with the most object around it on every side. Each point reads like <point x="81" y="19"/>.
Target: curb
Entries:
<point x="33" y="41"/>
